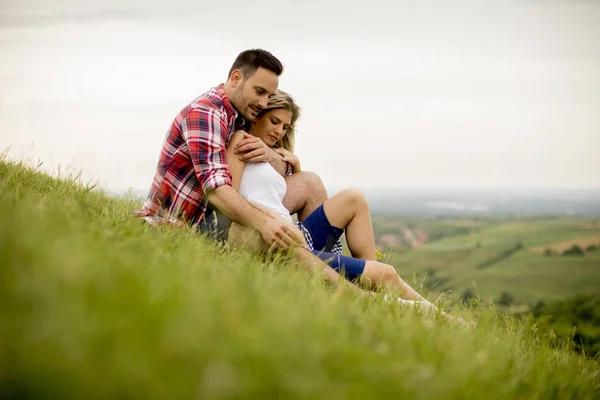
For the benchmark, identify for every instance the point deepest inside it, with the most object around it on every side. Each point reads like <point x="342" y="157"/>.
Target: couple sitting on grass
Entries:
<point x="227" y="167"/>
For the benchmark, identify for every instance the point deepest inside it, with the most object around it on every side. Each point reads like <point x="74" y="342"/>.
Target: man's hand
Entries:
<point x="289" y="158"/>
<point x="280" y="234"/>
<point x="252" y="149"/>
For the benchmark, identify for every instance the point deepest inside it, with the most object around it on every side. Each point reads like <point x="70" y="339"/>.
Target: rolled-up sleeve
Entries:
<point x="205" y="133"/>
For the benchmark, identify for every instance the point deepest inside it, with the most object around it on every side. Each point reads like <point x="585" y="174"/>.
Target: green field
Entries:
<point x="494" y="256"/>
<point x="96" y="305"/>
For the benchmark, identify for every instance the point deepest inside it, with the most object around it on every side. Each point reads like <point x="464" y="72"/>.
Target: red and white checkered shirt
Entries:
<point x="192" y="160"/>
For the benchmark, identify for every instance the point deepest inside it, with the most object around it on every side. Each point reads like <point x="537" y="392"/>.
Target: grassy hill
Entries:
<point x="95" y="304"/>
<point x="492" y="257"/>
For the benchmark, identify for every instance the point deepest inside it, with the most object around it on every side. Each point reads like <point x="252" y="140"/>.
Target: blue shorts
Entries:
<point x="321" y="238"/>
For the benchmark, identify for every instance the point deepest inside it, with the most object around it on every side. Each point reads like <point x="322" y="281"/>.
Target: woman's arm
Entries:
<point x="236" y="164"/>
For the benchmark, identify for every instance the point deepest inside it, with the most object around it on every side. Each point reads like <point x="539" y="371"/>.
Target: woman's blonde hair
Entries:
<point x="283" y="100"/>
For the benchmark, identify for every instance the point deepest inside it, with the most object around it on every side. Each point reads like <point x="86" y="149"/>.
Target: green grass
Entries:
<point x="96" y="304"/>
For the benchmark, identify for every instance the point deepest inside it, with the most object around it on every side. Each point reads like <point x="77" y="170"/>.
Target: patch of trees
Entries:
<point x="574" y="250"/>
<point x="505" y="299"/>
<point x="501" y="256"/>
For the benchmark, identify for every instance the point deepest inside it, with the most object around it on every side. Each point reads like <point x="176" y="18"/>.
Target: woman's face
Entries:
<point x="272" y="125"/>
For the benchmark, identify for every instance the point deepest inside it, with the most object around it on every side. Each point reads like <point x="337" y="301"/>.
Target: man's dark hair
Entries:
<point x="250" y="60"/>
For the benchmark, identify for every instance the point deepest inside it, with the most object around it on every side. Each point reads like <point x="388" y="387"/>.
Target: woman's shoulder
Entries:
<point x="237" y="136"/>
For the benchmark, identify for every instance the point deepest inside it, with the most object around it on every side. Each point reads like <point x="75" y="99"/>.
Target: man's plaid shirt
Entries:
<point x="192" y="160"/>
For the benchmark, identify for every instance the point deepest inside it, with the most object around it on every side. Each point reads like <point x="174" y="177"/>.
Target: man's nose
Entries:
<point x="264" y="101"/>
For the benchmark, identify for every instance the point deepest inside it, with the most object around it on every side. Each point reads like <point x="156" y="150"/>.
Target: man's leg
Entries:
<point x="215" y="224"/>
<point x="305" y="192"/>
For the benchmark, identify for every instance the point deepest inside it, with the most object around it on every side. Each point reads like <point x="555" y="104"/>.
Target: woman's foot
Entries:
<point x="426" y="306"/>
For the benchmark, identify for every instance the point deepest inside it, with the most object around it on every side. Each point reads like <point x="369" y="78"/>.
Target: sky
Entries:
<point x="395" y="94"/>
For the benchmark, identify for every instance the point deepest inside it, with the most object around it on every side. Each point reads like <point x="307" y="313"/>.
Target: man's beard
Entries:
<point x="245" y="110"/>
<point x="237" y="101"/>
<point x="253" y="112"/>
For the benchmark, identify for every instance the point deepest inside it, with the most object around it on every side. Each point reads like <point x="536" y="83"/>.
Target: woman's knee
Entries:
<point x="389" y="274"/>
<point x="313" y="188"/>
<point x="380" y="274"/>
<point x="354" y="198"/>
<point x="306" y="183"/>
<point x="313" y="182"/>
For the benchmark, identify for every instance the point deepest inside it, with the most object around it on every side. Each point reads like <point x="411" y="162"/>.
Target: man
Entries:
<point x="192" y="179"/>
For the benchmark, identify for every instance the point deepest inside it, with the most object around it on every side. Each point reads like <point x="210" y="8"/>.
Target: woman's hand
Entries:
<point x="289" y="158"/>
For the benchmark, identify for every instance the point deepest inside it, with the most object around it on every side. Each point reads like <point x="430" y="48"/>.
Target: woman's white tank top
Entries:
<point x="263" y="186"/>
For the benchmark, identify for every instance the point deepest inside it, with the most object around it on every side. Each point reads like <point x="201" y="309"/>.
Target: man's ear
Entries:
<point x="236" y="77"/>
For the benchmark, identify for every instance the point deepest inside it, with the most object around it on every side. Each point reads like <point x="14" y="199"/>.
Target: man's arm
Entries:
<point x="253" y="149"/>
<point x="234" y="206"/>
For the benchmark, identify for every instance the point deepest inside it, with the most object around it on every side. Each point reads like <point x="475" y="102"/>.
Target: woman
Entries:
<point x="347" y="211"/>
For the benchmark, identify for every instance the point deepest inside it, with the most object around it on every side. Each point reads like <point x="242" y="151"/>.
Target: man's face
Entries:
<point x="251" y="95"/>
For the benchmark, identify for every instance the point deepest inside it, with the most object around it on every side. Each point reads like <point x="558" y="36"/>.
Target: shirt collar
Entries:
<point x="226" y="103"/>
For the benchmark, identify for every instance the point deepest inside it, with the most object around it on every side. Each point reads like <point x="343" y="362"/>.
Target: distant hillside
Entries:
<point x="484" y="202"/>
<point x="498" y="256"/>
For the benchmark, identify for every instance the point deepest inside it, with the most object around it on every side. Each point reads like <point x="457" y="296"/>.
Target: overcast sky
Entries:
<point x="405" y="94"/>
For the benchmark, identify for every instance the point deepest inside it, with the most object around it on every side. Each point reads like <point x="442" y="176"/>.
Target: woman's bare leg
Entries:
<point x="349" y="210"/>
<point x="378" y="274"/>
<point x="305" y="192"/>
